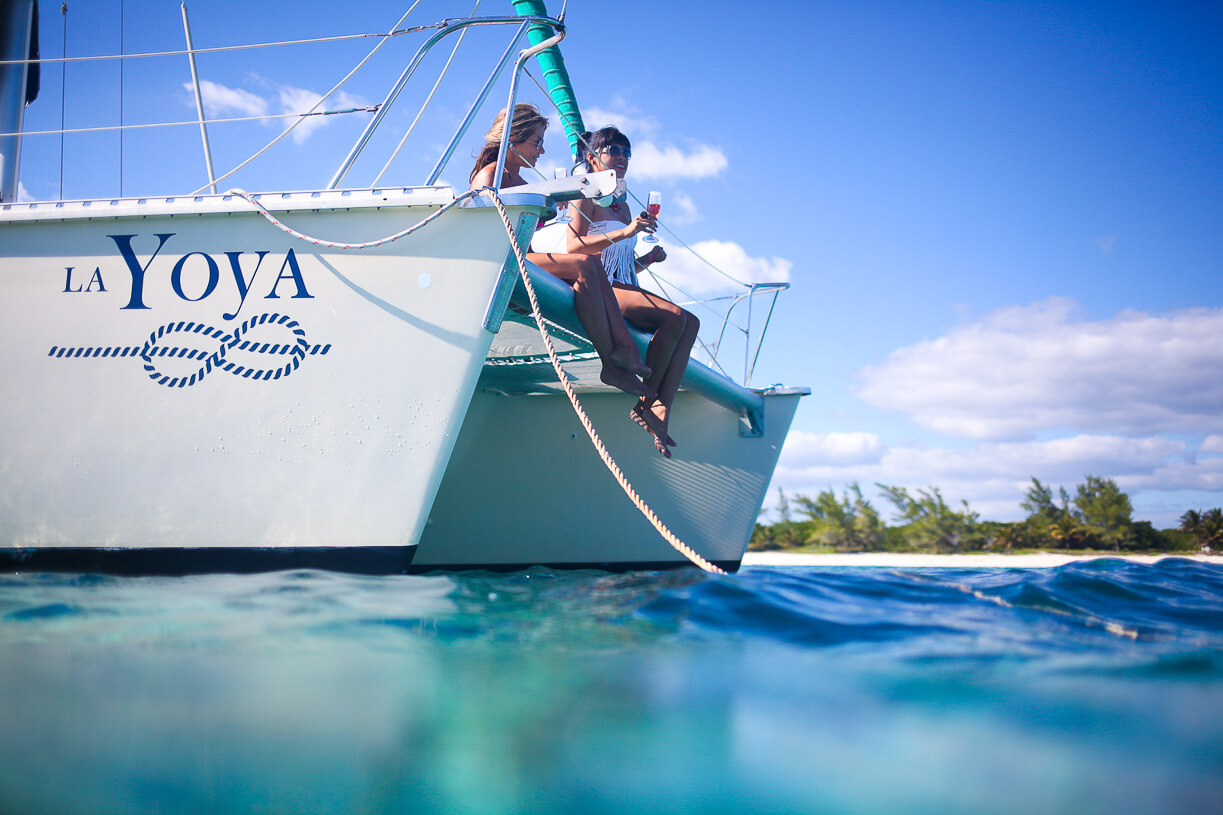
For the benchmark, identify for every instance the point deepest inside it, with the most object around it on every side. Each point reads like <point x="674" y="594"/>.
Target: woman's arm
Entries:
<point x="484" y="178"/>
<point x="655" y="255"/>
<point x="580" y="240"/>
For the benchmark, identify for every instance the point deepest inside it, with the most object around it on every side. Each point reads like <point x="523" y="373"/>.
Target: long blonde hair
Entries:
<point x="526" y="118"/>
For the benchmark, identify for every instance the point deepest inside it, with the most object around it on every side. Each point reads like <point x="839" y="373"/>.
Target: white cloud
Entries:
<point x="992" y="476"/>
<point x="808" y="450"/>
<point x="23" y="194"/>
<point x="627" y="118"/>
<point x="220" y="100"/>
<point x="652" y="159"/>
<point x="685" y="268"/>
<point x="680" y="209"/>
<point x="656" y="163"/>
<point x="299" y="100"/>
<point x="1022" y="370"/>
<point x="1211" y="444"/>
<point x="805" y="457"/>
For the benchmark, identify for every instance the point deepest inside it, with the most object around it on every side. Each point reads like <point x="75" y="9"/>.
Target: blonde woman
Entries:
<point x="597" y="306"/>
<point x="610" y="233"/>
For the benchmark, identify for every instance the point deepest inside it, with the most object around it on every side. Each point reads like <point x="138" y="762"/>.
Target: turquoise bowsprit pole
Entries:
<point x="553" y="66"/>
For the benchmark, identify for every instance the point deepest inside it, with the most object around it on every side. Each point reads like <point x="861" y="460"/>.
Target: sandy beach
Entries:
<point x="1038" y="560"/>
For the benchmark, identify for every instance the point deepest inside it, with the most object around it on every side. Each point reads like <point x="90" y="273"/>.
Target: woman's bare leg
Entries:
<point x="600" y="316"/>
<point x="674" y="331"/>
<point x="668" y="386"/>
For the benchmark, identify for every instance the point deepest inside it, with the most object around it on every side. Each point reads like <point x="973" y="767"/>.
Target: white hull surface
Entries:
<point x="185" y="377"/>
<point x="526" y="487"/>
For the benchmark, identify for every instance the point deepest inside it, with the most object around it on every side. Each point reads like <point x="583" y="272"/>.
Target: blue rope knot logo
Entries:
<point x="157" y="347"/>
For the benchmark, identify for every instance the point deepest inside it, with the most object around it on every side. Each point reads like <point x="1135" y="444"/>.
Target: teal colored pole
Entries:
<point x="555" y="75"/>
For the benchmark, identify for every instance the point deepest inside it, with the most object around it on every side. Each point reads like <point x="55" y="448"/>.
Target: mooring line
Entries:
<point x="642" y="507"/>
<point x="667" y="535"/>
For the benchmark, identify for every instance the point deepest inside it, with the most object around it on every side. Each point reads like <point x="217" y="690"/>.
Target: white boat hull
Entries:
<point x="158" y="399"/>
<point x="526" y="487"/>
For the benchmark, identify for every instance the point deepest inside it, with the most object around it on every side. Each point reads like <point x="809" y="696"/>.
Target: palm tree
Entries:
<point x="1066" y="532"/>
<point x="1212" y="527"/>
<point x="1191" y="522"/>
<point x="1205" y="527"/>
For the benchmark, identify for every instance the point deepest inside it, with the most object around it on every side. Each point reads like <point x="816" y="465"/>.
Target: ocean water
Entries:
<point x="1090" y="688"/>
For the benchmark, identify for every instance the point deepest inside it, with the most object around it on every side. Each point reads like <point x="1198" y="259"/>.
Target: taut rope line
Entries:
<point x="667" y="535"/>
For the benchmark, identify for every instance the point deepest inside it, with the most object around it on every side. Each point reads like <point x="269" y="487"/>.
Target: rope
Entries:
<point x="669" y="536"/>
<point x="272" y="219"/>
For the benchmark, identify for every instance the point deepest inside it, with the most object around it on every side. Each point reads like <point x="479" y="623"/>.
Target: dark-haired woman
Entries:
<point x="611" y="233"/>
<point x="597" y="307"/>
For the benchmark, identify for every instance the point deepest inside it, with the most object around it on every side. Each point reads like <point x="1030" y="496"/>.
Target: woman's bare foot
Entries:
<point x="644" y="415"/>
<point x="650" y="423"/>
<point x="630" y="360"/>
<point x="620" y="378"/>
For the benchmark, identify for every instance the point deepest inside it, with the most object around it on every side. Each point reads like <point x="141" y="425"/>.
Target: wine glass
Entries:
<point x="653" y="205"/>
<point x="562" y="215"/>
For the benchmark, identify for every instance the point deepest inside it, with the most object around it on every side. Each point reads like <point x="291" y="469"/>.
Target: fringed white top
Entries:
<point x="619" y="259"/>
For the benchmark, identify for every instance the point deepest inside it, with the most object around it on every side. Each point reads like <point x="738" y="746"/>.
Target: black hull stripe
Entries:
<point x="731" y="566"/>
<point x="175" y="562"/>
<point x="368" y="560"/>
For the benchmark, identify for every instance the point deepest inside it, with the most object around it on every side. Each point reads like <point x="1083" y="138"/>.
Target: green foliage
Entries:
<point x="1105" y="511"/>
<point x="1099" y="516"/>
<point x="931" y="525"/>
<point x="1038" y="502"/>
<point x="849" y="524"/>
<point x="1001" y="537"/>
<point x="1205" y="528"/>
<point x="785" y="534"/>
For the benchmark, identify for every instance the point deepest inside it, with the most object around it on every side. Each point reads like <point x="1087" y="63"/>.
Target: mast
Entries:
<point x="18" y="84"/>
<point x="557" y="77"/>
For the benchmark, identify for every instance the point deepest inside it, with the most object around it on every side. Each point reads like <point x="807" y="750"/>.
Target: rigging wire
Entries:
<point x="661" y="281"/>
<point x="63" y="90"/>
<point x="668" y="230"/>
<point x="322" y="98"/>
<point x="230" y="120"/>
<point x="122" y="63"/>
<point x="397" y="32"/>
<point x="425" y="104"/>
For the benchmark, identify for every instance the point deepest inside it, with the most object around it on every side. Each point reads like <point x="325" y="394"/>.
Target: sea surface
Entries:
<point x="1095" y="687"/>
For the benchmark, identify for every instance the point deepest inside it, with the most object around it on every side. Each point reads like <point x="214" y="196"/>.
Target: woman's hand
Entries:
<point x="642" y="223"/>
<point x="655" y="255"/>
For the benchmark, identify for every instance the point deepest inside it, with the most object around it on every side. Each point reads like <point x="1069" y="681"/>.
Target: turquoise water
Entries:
<point x="1091" y="688"/>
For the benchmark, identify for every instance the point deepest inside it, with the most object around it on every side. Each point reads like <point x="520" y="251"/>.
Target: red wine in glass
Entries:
<point x="653" y="206"/>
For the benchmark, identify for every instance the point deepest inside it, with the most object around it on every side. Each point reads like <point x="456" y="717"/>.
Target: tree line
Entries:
<point x="1097" y="517"/>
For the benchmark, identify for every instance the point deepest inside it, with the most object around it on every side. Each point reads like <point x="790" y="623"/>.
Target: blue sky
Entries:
<point x="1002" y="222"/>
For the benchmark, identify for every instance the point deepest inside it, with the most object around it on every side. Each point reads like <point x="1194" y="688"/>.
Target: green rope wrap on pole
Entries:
<point x="555" y="75"/>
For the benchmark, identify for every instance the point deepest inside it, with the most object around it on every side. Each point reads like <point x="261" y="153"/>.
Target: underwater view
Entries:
<point x="1089" y="688"/>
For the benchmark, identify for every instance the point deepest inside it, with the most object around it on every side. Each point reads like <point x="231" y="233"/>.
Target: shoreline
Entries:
<point x="1036" y="560"/>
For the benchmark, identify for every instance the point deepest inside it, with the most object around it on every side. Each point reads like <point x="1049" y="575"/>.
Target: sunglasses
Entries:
<point x="616" y="150"/>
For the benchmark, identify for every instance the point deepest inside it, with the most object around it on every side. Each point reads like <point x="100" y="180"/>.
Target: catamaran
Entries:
<point x="361" y="379"/>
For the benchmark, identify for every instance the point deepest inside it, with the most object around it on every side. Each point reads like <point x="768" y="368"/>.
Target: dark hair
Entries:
<point x="602" y="138"/>
<point x="526" y="119"/>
